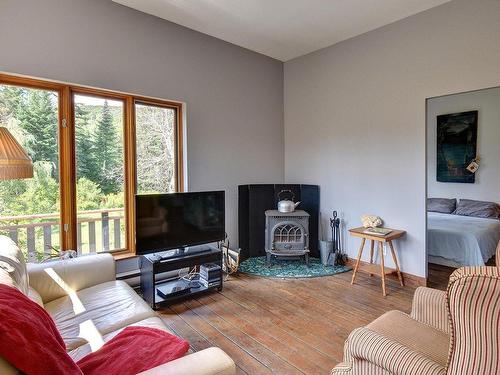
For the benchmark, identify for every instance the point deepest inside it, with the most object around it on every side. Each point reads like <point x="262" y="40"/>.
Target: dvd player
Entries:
<point x="173" y="289"/>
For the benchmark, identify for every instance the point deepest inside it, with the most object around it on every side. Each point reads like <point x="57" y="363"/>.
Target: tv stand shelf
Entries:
<point x="151" y="265"/>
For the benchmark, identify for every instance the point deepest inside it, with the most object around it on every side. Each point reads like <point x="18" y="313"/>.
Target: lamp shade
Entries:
<point x="14" y="161"/>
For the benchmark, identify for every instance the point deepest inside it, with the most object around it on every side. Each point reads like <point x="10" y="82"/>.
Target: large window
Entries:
<point x="100" y="173"/>
<point x="92" y="151"/>
<point x="29" y="209"/>
<point x="156" y="128"/>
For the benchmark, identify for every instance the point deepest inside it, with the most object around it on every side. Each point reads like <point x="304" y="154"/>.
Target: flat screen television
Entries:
<point x="178" y="220"/>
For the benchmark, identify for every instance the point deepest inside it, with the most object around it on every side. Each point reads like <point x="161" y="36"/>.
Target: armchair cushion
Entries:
<point x="55" y="279"/>
<point x="429" y="307"/>
<point x="414" y="335"/>
<point x="382" y="352"/>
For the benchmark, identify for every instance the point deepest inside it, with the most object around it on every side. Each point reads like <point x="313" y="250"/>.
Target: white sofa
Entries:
<point x="89" y="307"/>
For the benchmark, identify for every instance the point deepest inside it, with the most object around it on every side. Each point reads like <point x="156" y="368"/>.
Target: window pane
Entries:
<point x="155" y="142"/>
<point x="29" y="208"/>
<point x="99" y="174"/>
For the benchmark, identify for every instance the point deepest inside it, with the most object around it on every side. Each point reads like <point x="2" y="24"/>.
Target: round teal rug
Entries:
<point x="289" y="268"/>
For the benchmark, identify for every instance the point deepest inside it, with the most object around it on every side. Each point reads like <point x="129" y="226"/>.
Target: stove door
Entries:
<point x="288" y="236"/>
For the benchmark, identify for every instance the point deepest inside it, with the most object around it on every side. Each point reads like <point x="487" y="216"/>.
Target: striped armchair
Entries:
<point x="455" y="332"/>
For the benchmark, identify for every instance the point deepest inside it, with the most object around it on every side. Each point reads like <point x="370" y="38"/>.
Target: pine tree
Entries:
<point x="10" y="101"/>
<point x="42" y="191"/>
<point x="38" y="117"/>
<point x="107" y="152"/>
<point x="85" y="149"/>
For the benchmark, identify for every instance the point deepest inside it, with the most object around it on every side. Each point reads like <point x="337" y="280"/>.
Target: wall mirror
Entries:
<point x="463" y="181"/>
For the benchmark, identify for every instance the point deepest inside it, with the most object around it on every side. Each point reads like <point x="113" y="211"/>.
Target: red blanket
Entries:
<point x="133" y="350"/>
<point x="30" y="341"/>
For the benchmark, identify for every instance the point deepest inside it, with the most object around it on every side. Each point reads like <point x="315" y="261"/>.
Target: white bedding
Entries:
<point x="455" y="240"/>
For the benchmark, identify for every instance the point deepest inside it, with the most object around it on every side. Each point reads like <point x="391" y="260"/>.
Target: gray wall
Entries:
<point x="234" y="96"/>
<point x="487" y="180"/>
<point x="355" y="113"/>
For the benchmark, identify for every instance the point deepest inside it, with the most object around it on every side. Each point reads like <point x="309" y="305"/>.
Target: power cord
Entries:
<point x="192" y="277"/>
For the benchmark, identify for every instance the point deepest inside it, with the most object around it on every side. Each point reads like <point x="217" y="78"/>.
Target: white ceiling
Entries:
<point x="283" y="29"/>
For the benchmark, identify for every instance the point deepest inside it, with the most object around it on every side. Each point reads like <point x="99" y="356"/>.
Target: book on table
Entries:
<point x="377" y="231"/>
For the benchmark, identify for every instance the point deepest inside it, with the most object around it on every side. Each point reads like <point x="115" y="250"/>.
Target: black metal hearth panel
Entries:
<point x="254" y="200"/>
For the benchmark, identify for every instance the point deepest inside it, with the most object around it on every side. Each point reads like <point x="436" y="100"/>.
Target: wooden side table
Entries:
<point x="372" y="268"/>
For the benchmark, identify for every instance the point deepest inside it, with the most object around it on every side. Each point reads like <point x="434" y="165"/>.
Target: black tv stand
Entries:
<point x="153" y="264"/>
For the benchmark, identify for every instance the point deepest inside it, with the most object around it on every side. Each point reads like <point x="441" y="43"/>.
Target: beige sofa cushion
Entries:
<point x="82" y="351"/>
<point x="6" y="278"/>
<point x="12" y="261"/>
<point x="98" y="310"/>
<point x="211" y="361"/>
<point x="418" y="337"/>
<point x="7" y="369"/>
<point x="34" y="296"/>
<point x="54" y="279"/>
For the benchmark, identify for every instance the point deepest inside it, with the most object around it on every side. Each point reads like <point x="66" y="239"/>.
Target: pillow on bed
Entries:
<point x="469" y="207"/>
<point x="442" y="205"/>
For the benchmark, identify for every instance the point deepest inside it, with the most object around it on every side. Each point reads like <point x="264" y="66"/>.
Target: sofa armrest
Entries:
<point x="211" y="361"/>
<point x="429" y="307"/>
<point x="56" y="279"/>
<point x="365" y="344"/>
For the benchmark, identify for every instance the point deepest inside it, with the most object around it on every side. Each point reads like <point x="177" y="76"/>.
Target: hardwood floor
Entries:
<point x="438" y="276"/>
<point x="295" y="326"/>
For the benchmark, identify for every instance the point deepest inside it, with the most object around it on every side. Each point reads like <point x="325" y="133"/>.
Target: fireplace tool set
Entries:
<point x="339" y="258"/>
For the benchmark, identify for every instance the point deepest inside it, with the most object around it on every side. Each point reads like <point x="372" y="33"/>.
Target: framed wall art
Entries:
<point x="456" y="146"/>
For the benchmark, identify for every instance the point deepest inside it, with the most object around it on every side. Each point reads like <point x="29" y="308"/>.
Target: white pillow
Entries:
<point x="12" y="261"/>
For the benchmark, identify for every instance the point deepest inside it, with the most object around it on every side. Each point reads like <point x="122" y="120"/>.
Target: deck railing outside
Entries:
<point x="38" y="235"/>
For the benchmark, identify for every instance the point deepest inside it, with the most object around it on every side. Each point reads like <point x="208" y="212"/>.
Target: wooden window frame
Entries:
<point x="178" y="134"/>
<point x="67" y="151"/>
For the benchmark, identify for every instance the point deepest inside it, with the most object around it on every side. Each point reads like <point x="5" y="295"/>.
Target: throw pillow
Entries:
<point x="469" y="207"/>
<point x="442" y="205"/>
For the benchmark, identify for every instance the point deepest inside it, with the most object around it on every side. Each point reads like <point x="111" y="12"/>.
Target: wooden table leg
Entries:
<point x="372" y="245"/>
<point x="360" y="252"/>
<point x="395" y="259"/>
<point x="382" y="268"/>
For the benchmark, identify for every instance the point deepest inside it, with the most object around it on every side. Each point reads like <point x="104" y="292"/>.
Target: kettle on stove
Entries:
<point x="287" y="205"/>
